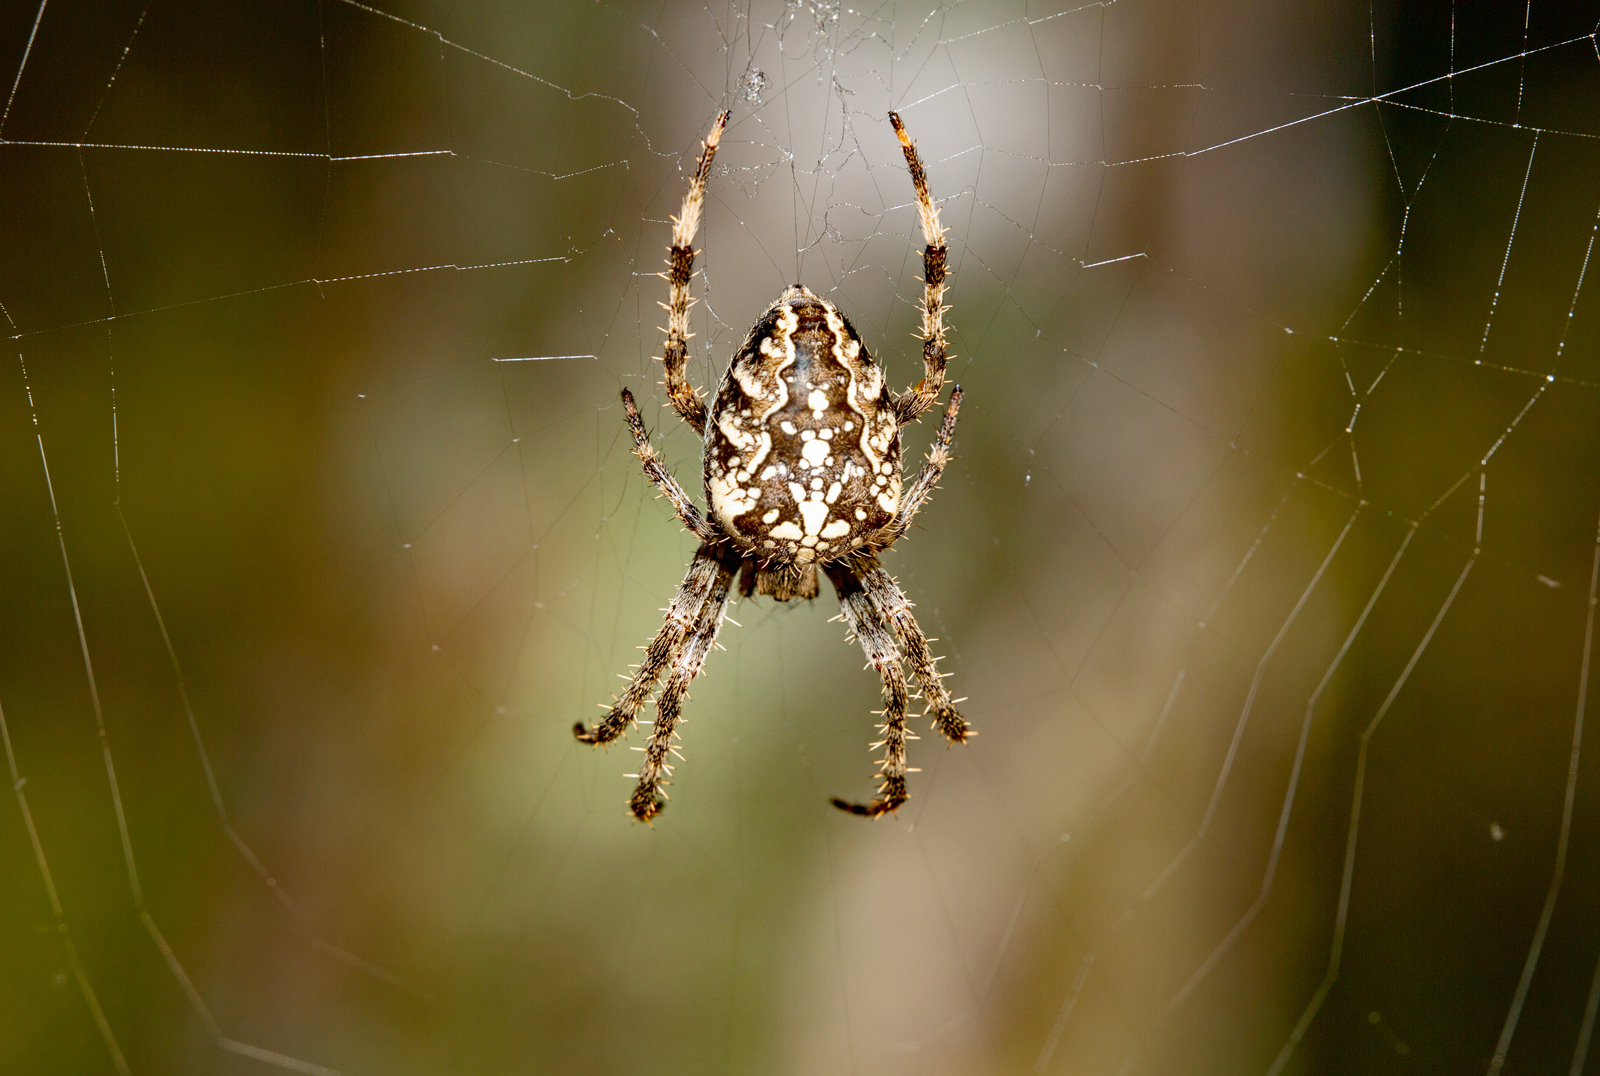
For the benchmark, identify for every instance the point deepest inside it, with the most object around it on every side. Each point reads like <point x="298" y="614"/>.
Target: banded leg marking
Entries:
<point x="680" y="267"/>
<point x="910" y="405"/>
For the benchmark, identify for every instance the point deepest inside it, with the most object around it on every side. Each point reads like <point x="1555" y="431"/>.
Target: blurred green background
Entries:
<point x="1280" y="429"/>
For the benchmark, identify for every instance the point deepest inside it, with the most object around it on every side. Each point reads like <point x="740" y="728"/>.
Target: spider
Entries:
<point x="802" y="471"/>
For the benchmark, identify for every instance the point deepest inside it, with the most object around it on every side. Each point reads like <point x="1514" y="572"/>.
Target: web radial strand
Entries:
<point x="379" y="206"/>
<point x="1558" y="873"/>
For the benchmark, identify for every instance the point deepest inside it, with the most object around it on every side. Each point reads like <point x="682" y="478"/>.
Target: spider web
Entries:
<point x="1267" y="566"/>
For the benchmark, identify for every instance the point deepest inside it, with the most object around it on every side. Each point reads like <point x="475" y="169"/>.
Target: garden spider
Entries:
<point x="802" y="470"/>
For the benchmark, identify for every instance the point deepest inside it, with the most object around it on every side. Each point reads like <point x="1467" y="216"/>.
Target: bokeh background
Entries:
<point x="1266" y="565"/>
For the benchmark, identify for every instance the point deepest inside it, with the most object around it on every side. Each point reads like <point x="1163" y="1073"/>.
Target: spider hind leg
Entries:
<point x="648" y="800"/>
<point x="683" y="617"/>
<point x="876" y="637"/>
<point x="890" y="603"/>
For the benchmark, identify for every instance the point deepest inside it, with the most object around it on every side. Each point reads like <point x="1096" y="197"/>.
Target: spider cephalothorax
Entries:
<point x="802" y="471"/>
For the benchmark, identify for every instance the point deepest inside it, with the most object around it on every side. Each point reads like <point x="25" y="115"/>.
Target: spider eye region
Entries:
<point x="802" y="451"/>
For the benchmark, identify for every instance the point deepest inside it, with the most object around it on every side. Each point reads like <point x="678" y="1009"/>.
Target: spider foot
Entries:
<point x="889" y="799"/>
<point x="948" y="720"/>
<point x="647" y="802"/>
<point x="604" y="731"/>
<point x="635" y="423"/>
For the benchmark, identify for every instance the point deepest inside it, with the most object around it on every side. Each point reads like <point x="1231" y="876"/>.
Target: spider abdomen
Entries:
<point x="802" y="451"/>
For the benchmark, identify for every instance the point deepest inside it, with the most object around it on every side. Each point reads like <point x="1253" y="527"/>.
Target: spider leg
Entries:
<point x="657" y="472"/>
<point x="910" y="405"/>
<point x="648" y="799"/>
<point x="877" y="641"/>
<point x="913" y="497"/>
<point x="683" y="614"/>
<point x="680" y="267"/>
<point x="890" y="603"/>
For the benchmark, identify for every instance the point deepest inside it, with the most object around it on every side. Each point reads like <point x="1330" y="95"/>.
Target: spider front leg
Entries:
<point x="680" y="267"/>
<point x="657" y="472"/>
<point x="877" y="641"/>
<point x="683" y="616"/>
<point x="648" y="799"/>
<point x="910" y="405"/>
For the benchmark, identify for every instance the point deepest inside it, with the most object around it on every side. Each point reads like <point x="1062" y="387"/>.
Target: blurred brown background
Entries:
<point x="257" y="262"/>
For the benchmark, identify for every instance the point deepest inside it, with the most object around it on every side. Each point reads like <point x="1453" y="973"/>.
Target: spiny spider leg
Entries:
<point x="657" y="472"/>
<point x="910" y="405"/>
<point x="683" y="614"/>
<point x="890" y="603"/>
<point x="877" y="641"/>
<point x="914" y="496"/>
<point x="680" y="267"/>
<point x="648" y="799"/>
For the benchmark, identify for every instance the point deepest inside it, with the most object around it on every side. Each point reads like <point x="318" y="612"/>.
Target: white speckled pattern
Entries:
<point x="802" y="453"/>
